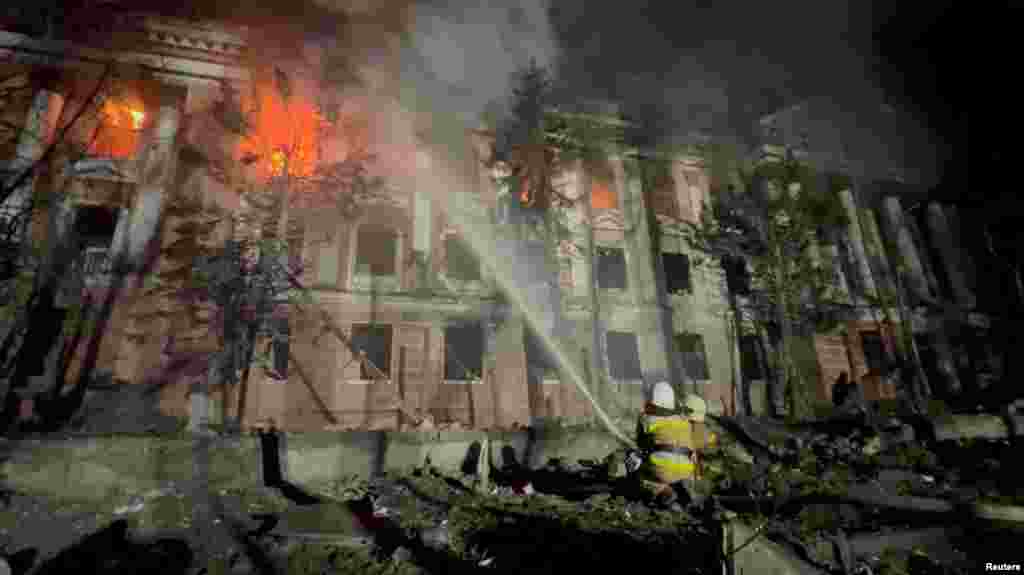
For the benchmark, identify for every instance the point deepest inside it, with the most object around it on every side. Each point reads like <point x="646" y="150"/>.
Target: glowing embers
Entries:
<point x="284" y="133"/>
<point x="121" y="121"/>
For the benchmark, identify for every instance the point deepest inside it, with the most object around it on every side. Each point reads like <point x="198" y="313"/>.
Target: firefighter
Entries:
<point x="695" y="410"/>
<point x="671" y="440"/>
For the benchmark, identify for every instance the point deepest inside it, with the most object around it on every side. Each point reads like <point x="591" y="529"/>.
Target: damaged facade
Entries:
<point x="899" y="247"/>
<point x="398" y="280"/>
<point x="405" y="288"/>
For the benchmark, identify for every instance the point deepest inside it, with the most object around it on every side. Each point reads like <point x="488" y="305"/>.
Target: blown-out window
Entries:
<point x="112" y="125"/>
<point x="375" y="342"/>
<point x="750" y="357"/>
<point x="464" y="352"/>
<point x="737" y="277"/>
<point x="377" y="251"/>
<point x="95" y="227"/>
<point x="611" y="268"/>
<point x="677" y="273"/>
<point x="623" y="356"/>
<point x="874" y="351"/>
<point x="694" y="359"/>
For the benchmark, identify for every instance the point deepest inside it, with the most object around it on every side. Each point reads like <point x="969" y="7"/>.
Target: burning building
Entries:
<point x="405" y="315"/>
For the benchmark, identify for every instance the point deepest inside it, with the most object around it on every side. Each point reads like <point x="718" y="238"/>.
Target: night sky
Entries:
<point x="719" y="65"/>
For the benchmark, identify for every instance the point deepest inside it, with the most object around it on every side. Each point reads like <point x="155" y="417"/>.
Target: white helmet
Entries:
<point x="663" y="396"/>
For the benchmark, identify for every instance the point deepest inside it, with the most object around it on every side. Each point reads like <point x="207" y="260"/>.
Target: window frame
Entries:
<point x="357" y="281"/>
<point x="688" y="289"/>
<point x="604" y="252"/>
<point x="611" y="335"/>
<point x="389" y="351"/>
<point x="679" y="339"/>
<point x="751" y="358"/>
<point x="89" y="131"/>
<point x="450" y="348"/>
<point x="863" y="337"/>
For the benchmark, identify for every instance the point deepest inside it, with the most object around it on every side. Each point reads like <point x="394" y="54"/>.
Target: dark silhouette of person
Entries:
<point x="842" y="389"/>
<point x="270" y="444"/>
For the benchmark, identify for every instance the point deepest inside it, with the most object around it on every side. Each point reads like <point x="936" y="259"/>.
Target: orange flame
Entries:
<point x="284" y="134"/>
<point x="602" y="196"/>
<point x="121" y="122"/>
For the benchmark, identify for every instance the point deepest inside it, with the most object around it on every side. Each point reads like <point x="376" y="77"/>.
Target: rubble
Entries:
<point x="826" y="495"/>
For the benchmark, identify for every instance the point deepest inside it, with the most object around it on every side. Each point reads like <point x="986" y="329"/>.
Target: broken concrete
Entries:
<point x="759" y="555"/>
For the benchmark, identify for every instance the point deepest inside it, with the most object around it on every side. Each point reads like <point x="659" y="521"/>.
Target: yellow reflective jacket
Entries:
<point x="671" y="444"/>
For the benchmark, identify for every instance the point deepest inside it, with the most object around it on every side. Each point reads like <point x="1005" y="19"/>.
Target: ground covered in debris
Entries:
<point x="893" y="495"/>
<point x="877" y="492"/>
<point x="421" y="521"/>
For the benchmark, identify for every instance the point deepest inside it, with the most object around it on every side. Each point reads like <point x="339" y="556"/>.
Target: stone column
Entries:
<point x="490" y="363"/>
<point x="856" y="236"/>
<point x="592" y="363"/>
<point x="35" y="136"/>
<point x="966" y="264"/>
<point x="925" y="254"/>
<point x="876" y="250"/>
<point x="643" y="286"/>
<point x="423" y="230"/>
<point x="156" y="174"/>
<point x="941" y="235"/>
<point x="842" y="285"/>
<point x="583" y="235"/>
<point x="914" y="274"/>
<point x="946" y="362"/>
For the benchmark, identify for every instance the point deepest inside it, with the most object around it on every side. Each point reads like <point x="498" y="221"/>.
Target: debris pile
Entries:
<point x="862" y="493"/>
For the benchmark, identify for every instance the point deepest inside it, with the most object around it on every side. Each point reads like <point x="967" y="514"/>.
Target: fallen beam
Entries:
<point x="1007" y="513"/>
<point x="977" y="427"/>
<point x="931" y="538"/>
<point x="871" y="495"/>
<point x="340" y="539"/>
<point x="866" y="494"/>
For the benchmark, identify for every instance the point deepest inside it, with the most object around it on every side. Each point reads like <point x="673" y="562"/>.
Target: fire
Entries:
<point x="138" y="117"/>
<point x="602" y="196"/>
<point x="284" y="133"/>
<point x="121" y="123"/>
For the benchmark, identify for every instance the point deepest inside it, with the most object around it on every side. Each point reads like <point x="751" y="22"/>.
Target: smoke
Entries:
<point x="462" y="56"/>
<point x="679" y="68"/>
<point x="718" y="67"/>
